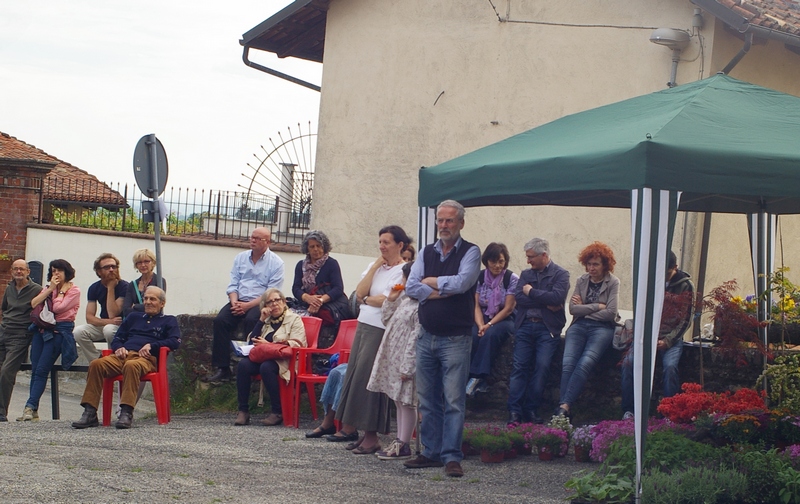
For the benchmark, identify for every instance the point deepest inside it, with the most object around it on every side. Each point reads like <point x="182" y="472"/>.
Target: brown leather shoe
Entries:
<point x="273" y="419"/>
<point x="422" y="461"/>
<point x="453" y="469"/>
<point x="242" y="418"/>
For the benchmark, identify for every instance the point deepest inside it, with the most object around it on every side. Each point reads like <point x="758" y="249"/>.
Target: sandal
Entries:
<point x="337" y="438"/>
<point x="366" y="451"/>
<point x="355" y="444"/>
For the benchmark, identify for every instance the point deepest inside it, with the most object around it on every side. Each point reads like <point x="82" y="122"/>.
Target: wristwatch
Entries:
<point x="364" y="301"/>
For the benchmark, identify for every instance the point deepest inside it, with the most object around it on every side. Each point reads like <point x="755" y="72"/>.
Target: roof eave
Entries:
<point x="742" y="25"/>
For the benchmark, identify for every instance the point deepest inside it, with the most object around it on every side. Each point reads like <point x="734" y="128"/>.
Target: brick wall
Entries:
<point x="20" y="199"/>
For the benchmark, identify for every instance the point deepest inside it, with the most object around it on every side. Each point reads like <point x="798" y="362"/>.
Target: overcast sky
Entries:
<point x="83" y="80"/>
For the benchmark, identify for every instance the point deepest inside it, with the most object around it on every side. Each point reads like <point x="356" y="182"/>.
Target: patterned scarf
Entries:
<point x="493" y="295"/>
<point x="310" y="270"/>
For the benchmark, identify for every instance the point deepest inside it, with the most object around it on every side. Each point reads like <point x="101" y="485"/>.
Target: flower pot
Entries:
<point x="581" y="454"/>
<point x="5" y="265"/>
<point x="545" y="453"/>
<point x="510" y="454"/>
<point x="468" y="450"/>
<point x="491" y="458"/>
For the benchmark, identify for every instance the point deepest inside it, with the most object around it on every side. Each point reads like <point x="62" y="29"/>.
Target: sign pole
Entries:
<point x="154" y="192"/>
<point x="150" y="167"/>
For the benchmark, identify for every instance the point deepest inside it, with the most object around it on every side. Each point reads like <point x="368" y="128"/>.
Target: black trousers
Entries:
<point x="224" y="325"/>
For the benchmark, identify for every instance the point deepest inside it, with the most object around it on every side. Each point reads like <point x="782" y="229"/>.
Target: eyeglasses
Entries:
<point x="19" y="268"/>
<point x="144" y="261"/>
<point x="253" y="238"/>
<point x="273" y="301"/>
<point x="109" y="267"/>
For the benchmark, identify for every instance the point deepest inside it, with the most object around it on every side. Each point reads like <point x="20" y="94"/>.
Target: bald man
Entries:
<point x="14" y="336"/>
<point x="136" y="346"/>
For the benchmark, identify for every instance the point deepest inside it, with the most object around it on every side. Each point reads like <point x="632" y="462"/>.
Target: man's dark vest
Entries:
<point x="455" y="314"/>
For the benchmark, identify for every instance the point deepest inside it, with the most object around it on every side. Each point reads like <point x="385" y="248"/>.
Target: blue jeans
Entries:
<point x="534" y="347"/>
<point x="43" y="355"/>
<point x="669" y="364"/>
<point x="485" y="348"/>
<point x="586" y="342"/>
<point x="442" y="372"/>
<point x="332" y="391"/>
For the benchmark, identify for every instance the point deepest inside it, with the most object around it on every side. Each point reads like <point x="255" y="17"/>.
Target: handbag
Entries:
<point x="623" y="335"/>
<point x="42" y="315"/>
<point x="269" y="351"/>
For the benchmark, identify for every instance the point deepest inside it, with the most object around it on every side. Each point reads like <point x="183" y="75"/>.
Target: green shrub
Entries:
<point x="789" y="482"/>
<point x="761" y="470"/>
<point x="606" y="485"/>
<point x="667" y="450"/>
<point x="694" y="485"/>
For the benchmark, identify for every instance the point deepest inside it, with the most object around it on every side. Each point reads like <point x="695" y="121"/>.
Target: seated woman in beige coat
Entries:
<point x="277" y="324"/>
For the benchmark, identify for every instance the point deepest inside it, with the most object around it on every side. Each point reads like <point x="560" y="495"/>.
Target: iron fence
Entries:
<point x="212" y="214"/>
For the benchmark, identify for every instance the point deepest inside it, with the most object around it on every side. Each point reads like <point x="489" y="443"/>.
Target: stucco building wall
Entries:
<point x="414" y="83"/>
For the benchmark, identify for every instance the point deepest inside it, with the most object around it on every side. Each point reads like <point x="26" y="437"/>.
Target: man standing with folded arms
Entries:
<point x="443" y="279"/>
<point x="14" y="335"/>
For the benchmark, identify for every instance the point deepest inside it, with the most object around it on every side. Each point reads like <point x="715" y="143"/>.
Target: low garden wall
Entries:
<point x="600" y="399"/>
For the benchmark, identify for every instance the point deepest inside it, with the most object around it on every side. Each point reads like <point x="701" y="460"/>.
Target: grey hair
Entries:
<point x="162" y="296"/>
<point x="538" y="245"/>
<point x="267" y="294"/>
<point x="318" y="235"/>
<point x="453" y="204"/>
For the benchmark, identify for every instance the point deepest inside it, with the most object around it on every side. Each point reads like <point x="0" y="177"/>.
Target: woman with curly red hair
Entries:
<point x="593" y="306"/>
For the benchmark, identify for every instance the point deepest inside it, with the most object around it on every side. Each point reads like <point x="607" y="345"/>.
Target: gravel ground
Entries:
<point x="203" y="458"/>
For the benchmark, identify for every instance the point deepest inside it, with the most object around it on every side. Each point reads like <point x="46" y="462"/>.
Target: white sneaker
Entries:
<point x="398" y="450"/>
<point x="628" y="415"/>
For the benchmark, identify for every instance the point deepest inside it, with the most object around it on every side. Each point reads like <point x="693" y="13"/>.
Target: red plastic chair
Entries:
<point x="159" y="381"/>
<point x="312" y="326"/>
<point x="305" y="373"/>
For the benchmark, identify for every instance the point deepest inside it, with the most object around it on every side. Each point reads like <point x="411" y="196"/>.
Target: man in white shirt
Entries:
<point x="253" y="272"/>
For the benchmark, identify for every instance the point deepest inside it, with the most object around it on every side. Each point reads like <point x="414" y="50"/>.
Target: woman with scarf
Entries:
<point x="494" y="305"/>
<point x="318" y="287"/>
<point x="277" y="324"/>
<point x="62" y="298"/>
<point x="144" y="261"/>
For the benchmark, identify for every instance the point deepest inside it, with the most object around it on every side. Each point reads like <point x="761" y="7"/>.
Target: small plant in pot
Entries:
<point x="5" y="262"/>
<point x="467" y="447"/>
<point x="492" y="445"/>
<point x="528" y="432"/>
<point x="551" y="442"/>
<point x="518" y="444"/>
<point x="582" y="439"/>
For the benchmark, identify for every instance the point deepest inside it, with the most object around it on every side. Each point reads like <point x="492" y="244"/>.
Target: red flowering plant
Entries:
<point x="693" y="403"/>
<point x="735" y="326"/>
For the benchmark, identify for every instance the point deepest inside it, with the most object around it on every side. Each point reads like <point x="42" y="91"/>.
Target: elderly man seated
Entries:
<point x="135" y="346"/>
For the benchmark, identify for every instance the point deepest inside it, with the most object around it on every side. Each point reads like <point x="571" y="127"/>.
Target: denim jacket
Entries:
<point x="550" y="288"/>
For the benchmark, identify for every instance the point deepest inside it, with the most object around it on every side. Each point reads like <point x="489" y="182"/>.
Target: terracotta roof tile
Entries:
<point x="65" y="183"/>
<point x="779" y="15"/>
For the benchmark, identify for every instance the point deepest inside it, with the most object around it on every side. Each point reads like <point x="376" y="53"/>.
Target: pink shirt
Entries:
<point x="65" y="307"/>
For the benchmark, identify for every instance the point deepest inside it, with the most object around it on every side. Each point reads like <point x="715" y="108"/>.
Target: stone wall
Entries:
<point x="600" y="399"/>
